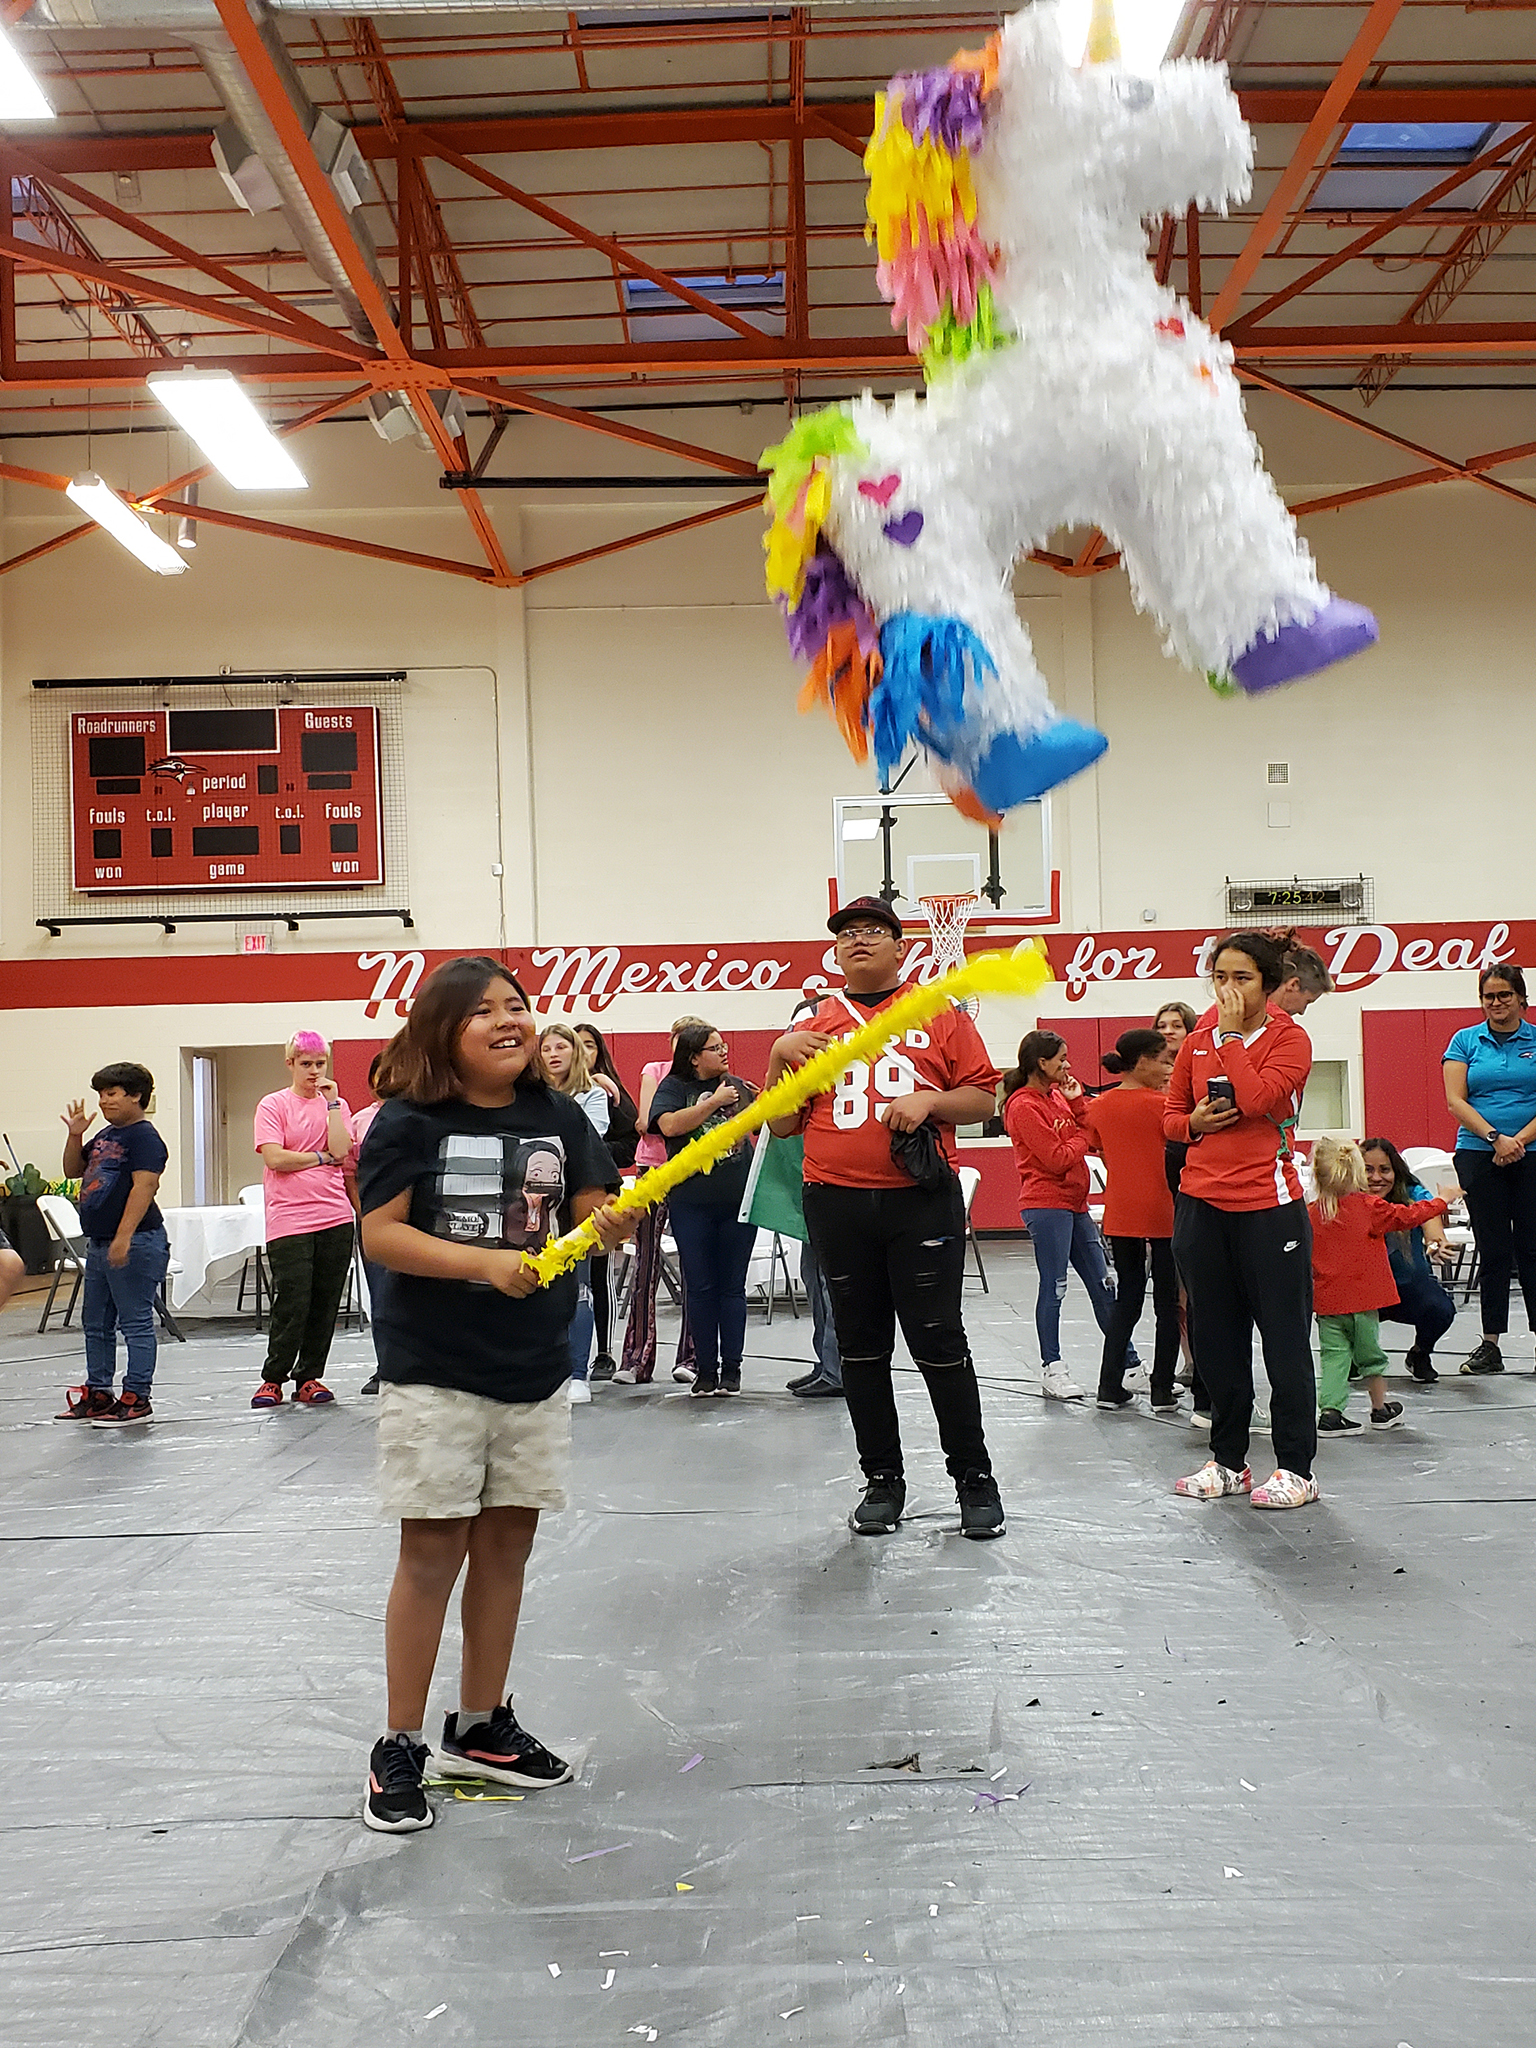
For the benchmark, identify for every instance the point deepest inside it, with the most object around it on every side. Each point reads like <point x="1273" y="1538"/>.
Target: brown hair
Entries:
<point x="418" y="1062"/>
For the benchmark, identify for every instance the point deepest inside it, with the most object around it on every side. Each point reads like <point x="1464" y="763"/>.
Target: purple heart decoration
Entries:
<point x="904" y="531"/>
<point x="881" y="492"/>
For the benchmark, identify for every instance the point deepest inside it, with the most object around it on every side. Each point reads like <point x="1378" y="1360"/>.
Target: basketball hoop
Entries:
<point x="947" y="918"/>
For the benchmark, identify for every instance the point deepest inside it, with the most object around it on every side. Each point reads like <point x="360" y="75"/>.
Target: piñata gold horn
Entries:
<point x="1103" y="35"/>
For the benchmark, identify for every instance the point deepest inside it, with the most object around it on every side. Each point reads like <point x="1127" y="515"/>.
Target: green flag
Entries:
<point x="772" y="1200"/>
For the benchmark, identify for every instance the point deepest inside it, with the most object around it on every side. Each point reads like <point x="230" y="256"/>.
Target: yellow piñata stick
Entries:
<point x="997" y="974"/>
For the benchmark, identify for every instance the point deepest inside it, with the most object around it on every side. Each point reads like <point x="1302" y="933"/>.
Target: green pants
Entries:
<point x="309" y="1276"/>
<point x="1351" y="1350"/>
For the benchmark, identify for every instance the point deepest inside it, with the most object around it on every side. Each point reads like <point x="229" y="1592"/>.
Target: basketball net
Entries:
<point x="947" y="918"/>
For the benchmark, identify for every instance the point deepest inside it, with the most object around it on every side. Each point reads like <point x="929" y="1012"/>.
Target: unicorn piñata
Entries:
<point x="1066" y="386"/>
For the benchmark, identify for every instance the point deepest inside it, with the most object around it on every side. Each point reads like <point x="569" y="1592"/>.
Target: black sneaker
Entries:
<point x="127" y="1408"/>
<point x="1165" y="1403"/>
<point x="1486" y="1358"/>
<point x="370" y="1386"/>
<point x="804" y="1380"/>
<point x="1419" y="1365"/>
<point x="879" y="1512"/>
<point x="817" y="1389"/>
<point x="705" y="1383"/>
<point x="1333" y="1422"/>
<point x="1113" y="1401"/>
<point x="394" y="1803"/>
<point x="1388" y="1416"/>
<point x="981" y="1506"/>
<point x="499" y="1749"/>
<point x="730" y="1379"/>
<point x="604" y="1367"/>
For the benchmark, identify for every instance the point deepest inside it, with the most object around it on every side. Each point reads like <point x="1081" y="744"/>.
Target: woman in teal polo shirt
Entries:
<point x="1490" y="1085"/>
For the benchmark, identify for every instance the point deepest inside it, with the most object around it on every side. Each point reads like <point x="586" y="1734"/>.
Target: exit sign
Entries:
<point x="255" y="942"/>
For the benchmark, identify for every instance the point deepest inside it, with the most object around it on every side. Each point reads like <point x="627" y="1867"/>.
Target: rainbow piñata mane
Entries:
<point x="935" y="267"/>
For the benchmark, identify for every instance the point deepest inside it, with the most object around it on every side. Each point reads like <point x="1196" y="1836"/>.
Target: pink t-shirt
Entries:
<point x="315" y="1198"/>
<point x="652" y="1148"/>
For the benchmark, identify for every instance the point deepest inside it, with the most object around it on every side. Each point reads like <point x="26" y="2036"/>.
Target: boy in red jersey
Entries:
<point x="893" y="1250"/>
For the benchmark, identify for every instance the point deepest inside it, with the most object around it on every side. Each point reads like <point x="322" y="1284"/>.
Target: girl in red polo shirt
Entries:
<point x="1126" y="1125"/>
<point x="1241" y="1235"/>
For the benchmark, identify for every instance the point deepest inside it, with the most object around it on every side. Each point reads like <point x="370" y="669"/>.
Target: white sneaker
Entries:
<point x="626" y="1376"/>
<point x="1057" y="1384"/>
<point x="1138" y="1381"/>
<point x="684" y="1375"/>
<point x="577" y="1391"/>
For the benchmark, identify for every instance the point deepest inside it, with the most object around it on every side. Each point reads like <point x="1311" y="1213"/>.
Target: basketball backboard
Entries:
<point x="920" y="845"/>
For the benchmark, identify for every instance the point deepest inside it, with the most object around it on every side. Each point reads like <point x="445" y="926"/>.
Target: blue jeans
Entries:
<point x="123" y="1298"/>
<point x="582" y="1323"/>
<point x="1063" y="1237"/>
<point x="824" y="1333"/>
<point x="715" y="1250"/>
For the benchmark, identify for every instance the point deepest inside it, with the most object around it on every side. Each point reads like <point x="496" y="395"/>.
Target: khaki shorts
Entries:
<point x="445" y="1455"/>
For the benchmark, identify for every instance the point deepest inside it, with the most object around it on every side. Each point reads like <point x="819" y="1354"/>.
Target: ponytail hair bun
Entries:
<point x="1131" y="1047"/>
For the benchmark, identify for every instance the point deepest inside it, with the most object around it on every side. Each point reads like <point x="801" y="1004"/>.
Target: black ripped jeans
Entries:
<point x="889" y="1256"/>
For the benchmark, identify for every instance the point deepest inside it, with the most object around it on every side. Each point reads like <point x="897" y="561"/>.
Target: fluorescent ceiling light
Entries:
<point x="101" y="503"/>
<point x="214" y="410"/>
<point x="21" y="97"/>
<point x="1146" y="29"/>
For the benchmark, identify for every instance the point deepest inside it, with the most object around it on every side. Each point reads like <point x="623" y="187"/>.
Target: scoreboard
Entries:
<point x="277" y="797"/>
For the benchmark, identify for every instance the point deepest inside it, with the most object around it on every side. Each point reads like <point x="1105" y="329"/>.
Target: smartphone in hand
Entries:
<point x="1221" y="1089"/>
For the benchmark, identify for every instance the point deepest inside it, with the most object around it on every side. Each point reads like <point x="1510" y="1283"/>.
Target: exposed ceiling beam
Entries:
<point x="1446" y="464"/>
<point x="1414" y="211"/>
<point x="1331" y="110"/>
<point x="1504" y="205"/>
<point x="156" y="291"/>
<point x="858" y="355"/>
<point x="297" y="322"/>
<point x="269" y="88"/>
<point x="604" y="244"/>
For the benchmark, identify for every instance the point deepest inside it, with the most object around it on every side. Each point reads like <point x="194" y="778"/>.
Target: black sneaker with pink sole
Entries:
<point x="500" y="1750"/>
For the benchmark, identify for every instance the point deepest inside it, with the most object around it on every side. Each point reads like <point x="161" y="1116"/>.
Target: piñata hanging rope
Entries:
<point x="997" y="974"/>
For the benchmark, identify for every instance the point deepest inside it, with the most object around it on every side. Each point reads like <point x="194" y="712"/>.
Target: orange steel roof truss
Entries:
<point x="526" y="170"/>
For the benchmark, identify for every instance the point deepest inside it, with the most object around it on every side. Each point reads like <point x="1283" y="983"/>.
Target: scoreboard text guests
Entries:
<point x="281" y="797"/>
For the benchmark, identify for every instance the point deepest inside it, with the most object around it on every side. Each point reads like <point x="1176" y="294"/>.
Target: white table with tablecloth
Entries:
<point x="211" y="1246"/>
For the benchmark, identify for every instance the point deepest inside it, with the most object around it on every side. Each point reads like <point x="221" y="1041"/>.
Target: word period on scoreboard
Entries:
<point x="283" y="797"/>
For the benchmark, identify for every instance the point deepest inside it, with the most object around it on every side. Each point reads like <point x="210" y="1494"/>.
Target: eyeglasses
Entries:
<point x="865" y="931"/>
<point x="717" y="1045"/>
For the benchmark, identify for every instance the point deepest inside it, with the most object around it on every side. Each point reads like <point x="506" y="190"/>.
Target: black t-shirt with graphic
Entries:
<point x="112" y="1158"/>
<point x="724" y="1188"/>
<point x="499" y="1177"/>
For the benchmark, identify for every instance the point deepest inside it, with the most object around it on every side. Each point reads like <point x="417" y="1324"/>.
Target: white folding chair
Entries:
<point x="769" y="1259"/>
<point x="63" y="1221"/>
<point x="970" y="1181"/>
<point x="68" y="1246"/>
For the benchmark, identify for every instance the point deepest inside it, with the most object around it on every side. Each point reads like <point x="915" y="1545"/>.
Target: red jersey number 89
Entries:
<point x="860" y="1086"/>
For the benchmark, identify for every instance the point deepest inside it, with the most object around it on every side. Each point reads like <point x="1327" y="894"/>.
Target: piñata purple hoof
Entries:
<point x="1014" y="771"/>
<point x="1339" y="630"/>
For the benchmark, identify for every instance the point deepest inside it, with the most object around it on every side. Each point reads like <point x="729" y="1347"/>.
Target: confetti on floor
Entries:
<point x="433" y="2014"/>
<point x="608" y="1980"/>
<point x="691" y="1762"/>
<point x="553" y="1969"/>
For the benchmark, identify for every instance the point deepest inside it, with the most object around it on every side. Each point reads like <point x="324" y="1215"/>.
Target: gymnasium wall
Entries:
<point x="620" y="738"/>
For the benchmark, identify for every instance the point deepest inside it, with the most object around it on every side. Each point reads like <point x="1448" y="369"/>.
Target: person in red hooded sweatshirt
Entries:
<point x="1045" y="1115"/>
<point x="1241" y="1234"/>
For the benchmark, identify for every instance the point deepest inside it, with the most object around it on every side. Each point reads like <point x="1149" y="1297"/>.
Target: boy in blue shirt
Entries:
<point x="127" y="1250"/>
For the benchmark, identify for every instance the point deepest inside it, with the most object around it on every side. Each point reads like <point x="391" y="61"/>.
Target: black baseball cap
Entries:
<point x="865" y="907"/>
